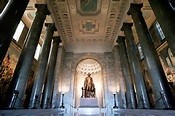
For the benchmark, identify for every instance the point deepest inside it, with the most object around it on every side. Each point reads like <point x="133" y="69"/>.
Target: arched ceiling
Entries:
<point x="89" y="25"/>
<point x="88" y="66"/>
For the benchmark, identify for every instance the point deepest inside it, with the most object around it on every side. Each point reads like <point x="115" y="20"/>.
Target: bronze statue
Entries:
<point x="89" y="88"/>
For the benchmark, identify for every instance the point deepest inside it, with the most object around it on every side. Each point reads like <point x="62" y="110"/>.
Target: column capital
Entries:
<point x="126" y="26"/>
<point x="42" y="8"/>
<point x="121" y="39"/>
<point x="134" y="8"/>
<point x="50" y="26"/>
<point x="56" y="39"/>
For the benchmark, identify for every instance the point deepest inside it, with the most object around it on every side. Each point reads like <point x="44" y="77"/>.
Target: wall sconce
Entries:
<point x="115" y="90"/>
<point x="64" y="89"/>
<point x="62" y="101"/>
<point x="115" y="104"/>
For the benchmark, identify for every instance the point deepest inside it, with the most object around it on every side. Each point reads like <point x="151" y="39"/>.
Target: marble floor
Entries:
<point x="87" y="112"/>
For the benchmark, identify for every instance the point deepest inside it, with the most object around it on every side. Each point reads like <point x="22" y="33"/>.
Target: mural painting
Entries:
<point x="88" y="5"/>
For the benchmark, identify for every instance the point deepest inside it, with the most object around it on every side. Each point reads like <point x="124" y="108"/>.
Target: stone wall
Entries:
<point x="111" y="74"/>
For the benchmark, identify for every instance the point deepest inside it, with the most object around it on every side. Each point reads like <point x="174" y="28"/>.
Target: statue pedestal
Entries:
<point x="88" y="102"/>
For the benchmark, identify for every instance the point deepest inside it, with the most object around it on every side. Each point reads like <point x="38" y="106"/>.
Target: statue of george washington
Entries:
<point x="89" y="87"/>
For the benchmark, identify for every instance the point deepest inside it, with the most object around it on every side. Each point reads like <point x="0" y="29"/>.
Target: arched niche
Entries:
<point x="93" y="67"/>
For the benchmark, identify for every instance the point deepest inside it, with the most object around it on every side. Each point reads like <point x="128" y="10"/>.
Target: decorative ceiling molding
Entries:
<point x="88" y="32"/>
<point x="89" y="27"/>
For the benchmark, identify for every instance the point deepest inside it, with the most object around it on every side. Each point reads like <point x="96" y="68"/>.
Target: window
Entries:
<point x="18" y="31"/>
<point x="171" y="58"/>
<point x="37" y="52"/>
<point x="160" y="31"/>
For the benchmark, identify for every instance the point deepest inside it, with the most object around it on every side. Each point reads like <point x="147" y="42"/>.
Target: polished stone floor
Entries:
<point x="87" y="112"/>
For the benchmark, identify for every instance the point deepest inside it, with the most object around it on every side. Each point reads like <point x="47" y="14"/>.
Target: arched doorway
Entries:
<point x="94" y="68"/>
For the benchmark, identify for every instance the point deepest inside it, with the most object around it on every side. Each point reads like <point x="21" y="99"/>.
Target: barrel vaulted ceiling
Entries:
<point x="90" y="25"/>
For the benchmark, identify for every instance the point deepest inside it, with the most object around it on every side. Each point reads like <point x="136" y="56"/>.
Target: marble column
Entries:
<point x="42" y="64"/>
<point x="126" y="73"/>
<point x="9" y="20"/>
<point x="21" y="74"/>
<point x="135" y="66"/>
<point x="50" y="76"/>
<point x="161" y="89"/>
<point x="165" y="15"/>
<point x="56" y="98"/>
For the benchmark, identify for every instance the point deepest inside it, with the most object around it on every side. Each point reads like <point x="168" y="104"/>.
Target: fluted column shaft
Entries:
<point x="126" y="73"/>
<point x="160" y="85"/>
<point x="165" y="15"/>
<point x="21" y="74"/>
<point x="42" y="64"/>
<point x="9" y="20"/>
<point x="134" y="60"/>
<point x="50" y="76"/>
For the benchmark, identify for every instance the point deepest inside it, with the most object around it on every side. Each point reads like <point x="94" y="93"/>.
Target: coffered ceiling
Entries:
<point x="90" y="25"/>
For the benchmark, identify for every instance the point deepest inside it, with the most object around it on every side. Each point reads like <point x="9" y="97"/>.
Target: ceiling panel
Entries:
<point x="88" y="25"/>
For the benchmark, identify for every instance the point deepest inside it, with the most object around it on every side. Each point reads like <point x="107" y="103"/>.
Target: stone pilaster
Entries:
<point x="56" y="92"/>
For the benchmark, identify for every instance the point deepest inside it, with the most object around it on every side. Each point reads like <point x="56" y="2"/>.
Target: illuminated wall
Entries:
<point x="106" y="75"/>
<point x="93" y="67"/>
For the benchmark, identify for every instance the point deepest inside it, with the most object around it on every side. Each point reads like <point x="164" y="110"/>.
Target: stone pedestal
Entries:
<point x="88" y="102"/>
